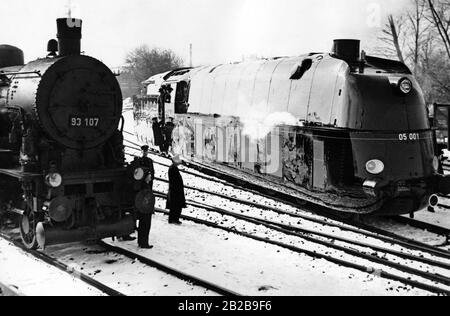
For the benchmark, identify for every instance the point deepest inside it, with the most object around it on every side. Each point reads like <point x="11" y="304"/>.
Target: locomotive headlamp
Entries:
<point x="405" y="85"/>
<point x="53" y="179"/>
<point x="139" y="174"/>
<point x="375" y="166"/>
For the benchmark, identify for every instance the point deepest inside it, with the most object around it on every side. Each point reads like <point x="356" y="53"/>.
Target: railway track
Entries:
<point x="169" y="270"/>
<point x="213" y="208"/>
<point x="438" y="279"/>
<point x="409" y="244"/>
<point x="237" y="184"/>
<point x="128" y="254"/>
<point x="306" y="233"/>
<point x="63" y="267"/>
<point x="425" y="226"/>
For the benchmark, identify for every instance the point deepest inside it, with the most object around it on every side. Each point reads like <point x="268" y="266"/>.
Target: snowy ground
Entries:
<point x="32" y="277"/>
<point x="250" y="267"/>
<point x="127" y="276"/>
<point x="441" y="217"/>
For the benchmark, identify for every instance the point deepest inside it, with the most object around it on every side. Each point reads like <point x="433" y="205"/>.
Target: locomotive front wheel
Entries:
<point x="28" y="223"/>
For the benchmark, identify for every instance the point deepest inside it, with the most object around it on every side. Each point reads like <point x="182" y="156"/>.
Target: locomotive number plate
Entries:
<point x="409" y="137"/>
<point x="76" y="121"/>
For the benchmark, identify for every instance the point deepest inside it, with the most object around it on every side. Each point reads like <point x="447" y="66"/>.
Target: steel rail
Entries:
<point x="316" y="220"/>
<point x="63" y="267"/>
<point x="414" y="223"/>
<point x="177" y="273"/>
<point x="341" y="262"/>
<point x="423" y="225"/>
<point x="305" y="235"/>
<point x="306" y="231"/>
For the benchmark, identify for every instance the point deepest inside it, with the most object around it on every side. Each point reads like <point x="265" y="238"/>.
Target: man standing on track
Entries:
<point x="145" y="199"/>
<point x="176" y="199"/>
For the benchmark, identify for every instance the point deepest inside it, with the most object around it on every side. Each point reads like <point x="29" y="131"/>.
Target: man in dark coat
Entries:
<point x="176" y="199"/>
<point x="168" y="130"/>
<point x="145" y="200"/>
<point x="158" y="134"/>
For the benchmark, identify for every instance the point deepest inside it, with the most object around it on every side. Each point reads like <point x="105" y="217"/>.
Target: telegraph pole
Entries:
<point x="190" y="55"/>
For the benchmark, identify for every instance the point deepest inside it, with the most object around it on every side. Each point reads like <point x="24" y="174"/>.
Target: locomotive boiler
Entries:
<point x="341" y="129"/>
<point x="62" y="165"/>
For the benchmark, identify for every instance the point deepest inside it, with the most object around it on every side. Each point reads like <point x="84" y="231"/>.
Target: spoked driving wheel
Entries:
<point x="28" y="223"/>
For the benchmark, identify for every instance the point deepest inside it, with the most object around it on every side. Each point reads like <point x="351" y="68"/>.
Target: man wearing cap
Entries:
<point x="145" y="199"/>
<point x="176" y="199"/>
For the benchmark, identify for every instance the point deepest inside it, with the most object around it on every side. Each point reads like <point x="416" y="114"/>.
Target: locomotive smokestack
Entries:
<point x="69" y="36"/>
<point x="346" y="49"/>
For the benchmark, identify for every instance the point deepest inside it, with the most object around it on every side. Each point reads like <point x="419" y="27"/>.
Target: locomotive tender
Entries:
<point x="344" y="130"/>
<point x="62" y="165"/>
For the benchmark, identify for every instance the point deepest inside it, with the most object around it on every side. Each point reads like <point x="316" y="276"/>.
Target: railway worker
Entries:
<point x="158" y="134"/>
<point x="176" y="199"/>
<point x="145" y="199"/>
<point x="168" y="130"/>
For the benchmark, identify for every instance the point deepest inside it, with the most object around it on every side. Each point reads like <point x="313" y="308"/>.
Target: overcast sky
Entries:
<point x="220" y="30"/>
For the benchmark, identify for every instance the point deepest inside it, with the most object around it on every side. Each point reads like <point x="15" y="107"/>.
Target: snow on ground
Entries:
<point x="287" y="220"/>
<point x="127" y="276"/>
<point x="250" y="267"/>
<point x="32" y="277"/>
<point x="261" y="231"/>
<point x="441" y="217"/>
<point x="406" y="231"/>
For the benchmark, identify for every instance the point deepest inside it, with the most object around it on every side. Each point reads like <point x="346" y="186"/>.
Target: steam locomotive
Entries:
<point x="344" y="130"/>
<point x="62" y="165"/>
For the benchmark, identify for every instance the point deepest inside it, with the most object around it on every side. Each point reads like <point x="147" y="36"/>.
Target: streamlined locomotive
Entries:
<point x="62" y="165"/>
<point x="343" y="130"/>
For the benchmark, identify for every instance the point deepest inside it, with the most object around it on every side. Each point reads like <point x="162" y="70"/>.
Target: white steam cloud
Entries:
<point x="257" y="122"/>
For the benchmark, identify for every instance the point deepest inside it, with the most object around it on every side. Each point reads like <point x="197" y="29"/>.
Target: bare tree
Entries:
<point x="144" y="62"/>
<point x="440" y="13"/>
<point x="391" y="34"/>
<point x="419" y="38"/>
<point x="418" y="25"/>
